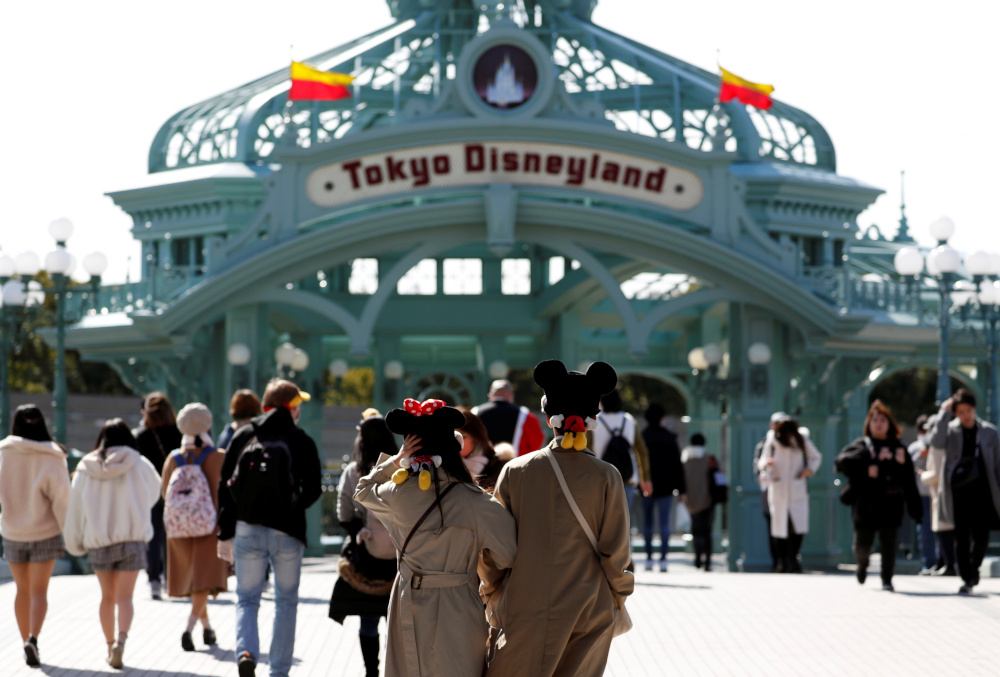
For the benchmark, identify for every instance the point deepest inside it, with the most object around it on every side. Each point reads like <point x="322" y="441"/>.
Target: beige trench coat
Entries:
<point x="941" y="519"/>
<point x="560" y="599"/>
<point x="436" y="623"/>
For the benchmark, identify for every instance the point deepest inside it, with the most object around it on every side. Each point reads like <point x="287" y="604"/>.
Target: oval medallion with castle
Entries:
<point x="505" y="77"/>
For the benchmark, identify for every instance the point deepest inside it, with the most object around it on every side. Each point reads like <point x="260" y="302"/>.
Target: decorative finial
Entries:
<point x="903" y="234"/>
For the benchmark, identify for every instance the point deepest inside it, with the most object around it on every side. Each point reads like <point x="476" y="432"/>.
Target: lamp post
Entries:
<point x="18" y="299"/>
<point x="707" y="358"/>
<point x="59" y="264"/>
<point x="942" y="265"/>
<point x="238" y="356"/>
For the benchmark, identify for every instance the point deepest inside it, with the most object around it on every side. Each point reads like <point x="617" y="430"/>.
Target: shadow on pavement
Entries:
<point x="672" y="585"/>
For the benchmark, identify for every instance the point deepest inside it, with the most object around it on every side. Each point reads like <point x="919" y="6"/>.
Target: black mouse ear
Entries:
<point x="549" y="372"/>
<point x="400" y="421"/>
<point x="451" y="417"/>
<point x="603" y="376"/>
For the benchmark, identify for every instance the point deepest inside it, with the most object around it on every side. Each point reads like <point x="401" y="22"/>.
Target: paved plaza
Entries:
<point x="687" y="622"/>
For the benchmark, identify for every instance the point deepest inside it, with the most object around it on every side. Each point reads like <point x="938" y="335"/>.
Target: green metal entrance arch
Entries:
<point x="600" y="202"/>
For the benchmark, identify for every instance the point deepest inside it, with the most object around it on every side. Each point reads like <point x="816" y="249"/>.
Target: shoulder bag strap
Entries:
<point x="424" y="516"/>
<point x="572" y="503"/>
<point x="163" y="452"/>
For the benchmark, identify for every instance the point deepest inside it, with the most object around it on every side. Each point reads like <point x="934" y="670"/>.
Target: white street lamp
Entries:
<point x="284" y="354"/>
<point x="759" y="353"/>
<point x="14" y="294"/>
<point x="944" y="259"/>
<point x="393" y="369"/>
<point x="61" y="229"/>
<point x="95" y="263"/>
<point x="696" y="359"/>
<point x="300" y="361"/>
<point x="942" y="229"/>
<point x="58" y="261"/>
<point x="7" y="268"/>
<point x="26" y="264"/>
<point x="338" y="368"/>
<point x="238" y="354"/>
<point x="979" y="263"/>
<point x="498" y="369"/>
<point x="713" y="354"/>
<point x="908" y="261"/>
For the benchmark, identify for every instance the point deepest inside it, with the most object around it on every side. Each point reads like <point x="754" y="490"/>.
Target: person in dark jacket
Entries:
<point x="155" y="439"/>
<point x="367" y="565"/>
<point x="882" y="486"/>
<point x="667" y="476"/>
<point x="261" y="528"/>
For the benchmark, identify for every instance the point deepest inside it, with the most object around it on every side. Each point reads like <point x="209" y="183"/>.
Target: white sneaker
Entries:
<point x="649" y="564"/>
<point x="155" y="590"/>
<point x="663" y="565"/>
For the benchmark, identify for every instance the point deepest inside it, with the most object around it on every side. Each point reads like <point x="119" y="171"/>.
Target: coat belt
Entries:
<point x="410" y="579"/>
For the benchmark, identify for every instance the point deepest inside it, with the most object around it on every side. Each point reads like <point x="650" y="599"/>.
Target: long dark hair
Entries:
<point x="157" y="411"/>
<point x="373" y="439"/>
<point x="29" y="423"/>
<point x="114" y="433"/>
<point x="788" y="435"/>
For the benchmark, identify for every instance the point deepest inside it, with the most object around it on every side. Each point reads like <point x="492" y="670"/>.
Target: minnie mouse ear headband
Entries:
<point x="435" y="423"/>
<point x="572" y="399"/>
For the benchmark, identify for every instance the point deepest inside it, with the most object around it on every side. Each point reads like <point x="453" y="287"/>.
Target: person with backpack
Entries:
<point x="617" y="441"/>
<point x="667" y="475"/>
<point x="444" y="527"/>
<point x="34" y="494"/>
<point x="190" y="494"/>
<point x="787" y="461"/>
<point x="270" y="475"/>
<point x="155" y="439"/>
<point x="113" y="491"/>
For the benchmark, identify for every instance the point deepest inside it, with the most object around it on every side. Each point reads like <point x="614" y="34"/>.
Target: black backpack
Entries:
<point x="262" y="483"/>
<point x="617" y="452"/>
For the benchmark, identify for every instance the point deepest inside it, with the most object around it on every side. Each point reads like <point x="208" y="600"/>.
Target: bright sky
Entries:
<point x="897" y="87"/>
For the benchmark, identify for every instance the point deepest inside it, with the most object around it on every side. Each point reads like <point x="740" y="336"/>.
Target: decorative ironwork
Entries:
<point x="403" y="68"/>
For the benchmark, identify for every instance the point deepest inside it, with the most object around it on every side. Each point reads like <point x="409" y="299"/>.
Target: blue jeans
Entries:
<point x="254" y="547"/>
<point x="928" y="542"/>
<point x="630" y="490"/>
<point x="662" y="504"/>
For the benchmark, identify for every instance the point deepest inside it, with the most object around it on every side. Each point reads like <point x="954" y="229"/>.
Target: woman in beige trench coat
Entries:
<point x="436" y="624"/>
<point x="560" y="601"/>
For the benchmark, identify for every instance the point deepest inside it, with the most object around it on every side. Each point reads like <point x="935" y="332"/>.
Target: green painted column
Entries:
<point x="311" y="421"/>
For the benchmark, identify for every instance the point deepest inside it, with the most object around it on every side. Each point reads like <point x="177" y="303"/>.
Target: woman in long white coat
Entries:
<point x="789" y="458"/>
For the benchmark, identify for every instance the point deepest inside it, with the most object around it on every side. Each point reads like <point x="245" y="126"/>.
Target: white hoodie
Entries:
<point x="34" y="489"/>
<point x="111" y="500"/>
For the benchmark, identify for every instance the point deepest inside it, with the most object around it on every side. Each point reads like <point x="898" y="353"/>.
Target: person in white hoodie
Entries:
<point x="34" y="493"/>
<point x="114" y="489"/>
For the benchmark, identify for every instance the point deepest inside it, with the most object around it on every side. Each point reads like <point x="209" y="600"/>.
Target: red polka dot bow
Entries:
<point x="425" y="408"/>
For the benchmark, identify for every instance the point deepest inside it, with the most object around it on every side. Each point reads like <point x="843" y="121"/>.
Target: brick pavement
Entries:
<point x="687" y="623"/>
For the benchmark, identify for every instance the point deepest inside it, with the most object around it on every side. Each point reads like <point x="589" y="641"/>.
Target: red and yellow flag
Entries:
<point x="310" y="84"/>
<point x="744" y="91"/>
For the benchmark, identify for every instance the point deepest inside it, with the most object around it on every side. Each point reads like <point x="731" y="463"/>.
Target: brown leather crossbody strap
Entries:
<point x="424" y="516"/>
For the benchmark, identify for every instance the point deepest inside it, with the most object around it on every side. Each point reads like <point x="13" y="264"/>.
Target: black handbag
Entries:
<point x="966" y="471"/>
<point x="718" y="489"/>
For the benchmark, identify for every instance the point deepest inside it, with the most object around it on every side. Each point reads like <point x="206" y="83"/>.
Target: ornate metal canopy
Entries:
<point x="402" y="69"/>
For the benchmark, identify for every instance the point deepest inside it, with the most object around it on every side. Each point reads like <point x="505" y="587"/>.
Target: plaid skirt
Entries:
<point x="22" y="552"/>
<point x="124" y="556"/>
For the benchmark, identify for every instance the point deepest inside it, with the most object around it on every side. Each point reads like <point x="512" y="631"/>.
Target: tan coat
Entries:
<point x="192" y="563"/>
<point x="560" y="599"/>
<point x="436" y="626"/>
<point x="941" y="519"/>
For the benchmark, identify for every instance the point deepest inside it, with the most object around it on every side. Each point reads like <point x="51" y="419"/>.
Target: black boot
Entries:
<point x="369" y="651"/>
